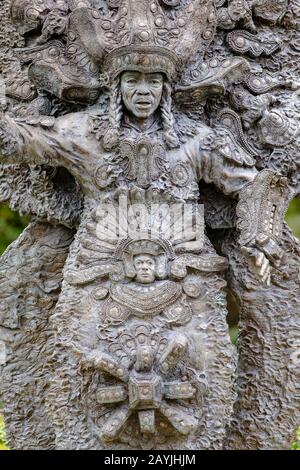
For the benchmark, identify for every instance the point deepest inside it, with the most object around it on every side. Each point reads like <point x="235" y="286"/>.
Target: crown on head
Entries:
<point x="144" y="247"/>
<point x="145" y="244"/>
<point x="142" y="36"/>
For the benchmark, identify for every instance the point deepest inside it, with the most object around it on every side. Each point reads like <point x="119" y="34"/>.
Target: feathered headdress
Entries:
<point x="81" y="48"/>
<point x="141" y="36"/>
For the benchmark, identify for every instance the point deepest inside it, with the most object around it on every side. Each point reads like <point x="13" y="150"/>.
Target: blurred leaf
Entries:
<point x="2" y="434"/>
<point x="293" y="217"/>
<point x="234" y="331"/>
<point x="11" y="225"/>
<point x="296" y="445"/>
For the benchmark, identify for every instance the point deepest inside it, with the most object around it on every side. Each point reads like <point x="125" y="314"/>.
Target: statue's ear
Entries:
<point x="161" y="267"/>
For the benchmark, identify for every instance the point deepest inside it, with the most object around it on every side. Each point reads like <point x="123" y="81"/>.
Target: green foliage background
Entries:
<point x="2" y="434"/>
<point x="11" y="225"/>
<point x="293" y="217"/>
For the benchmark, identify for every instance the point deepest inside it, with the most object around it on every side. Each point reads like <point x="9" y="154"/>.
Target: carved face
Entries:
<point x="145" y="268"/>
<point x="141" y="92"/>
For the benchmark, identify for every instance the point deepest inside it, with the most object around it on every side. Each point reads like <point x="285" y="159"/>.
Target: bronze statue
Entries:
<point x="127" y="112"/>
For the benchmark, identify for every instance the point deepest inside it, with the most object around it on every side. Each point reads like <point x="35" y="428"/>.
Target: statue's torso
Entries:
<point x="141" y="160"/>
<point x="150" y="334"/>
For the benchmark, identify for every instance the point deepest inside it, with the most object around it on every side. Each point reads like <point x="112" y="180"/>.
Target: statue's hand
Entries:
<point x="261" y="257"/>
<point x="258" y="263"/>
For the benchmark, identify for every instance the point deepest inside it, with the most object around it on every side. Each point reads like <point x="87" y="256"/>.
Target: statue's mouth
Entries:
<point x="143" y="104"/>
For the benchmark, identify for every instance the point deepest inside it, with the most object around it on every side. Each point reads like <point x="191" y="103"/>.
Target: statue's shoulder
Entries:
<point x="228" y="146"/>
<point x="232" y="148"/>
<point x="218" y="140"/>
<point x="77" y="122"/>
<point x="188" y="128"/>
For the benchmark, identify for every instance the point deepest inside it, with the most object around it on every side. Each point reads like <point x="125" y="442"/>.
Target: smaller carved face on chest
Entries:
<point x="145" y="262"/>
<point x="145" y="267"/>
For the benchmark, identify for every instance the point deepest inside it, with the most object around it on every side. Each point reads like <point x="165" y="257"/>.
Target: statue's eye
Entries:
<point x="131" y="81"/>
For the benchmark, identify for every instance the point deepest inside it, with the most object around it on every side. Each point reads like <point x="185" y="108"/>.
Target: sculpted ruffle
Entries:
<point x="9" y="143"/>
<point x="225" y="163"/>
<point x="225" y="143"/>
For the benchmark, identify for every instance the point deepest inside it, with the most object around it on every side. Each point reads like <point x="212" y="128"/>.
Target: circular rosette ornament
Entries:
<point x="180" y="175"/>
<point x="277" y="129"/>
<point x="114" y="313"/>
<point x="192" y="286"/>
<point x="149" y="400"/>
<point x="179" y="313"/>
<point x="104" y="175"/>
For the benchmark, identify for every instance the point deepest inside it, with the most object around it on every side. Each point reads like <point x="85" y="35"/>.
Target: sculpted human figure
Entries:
<point x="141" y="94"/>
<point x="142" y="356"/>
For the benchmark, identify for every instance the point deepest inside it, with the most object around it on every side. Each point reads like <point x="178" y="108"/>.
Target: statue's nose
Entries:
<point x="143" y="89"/>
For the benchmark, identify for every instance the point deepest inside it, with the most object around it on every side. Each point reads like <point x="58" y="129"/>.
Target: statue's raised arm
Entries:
<point x="55" y="142"/>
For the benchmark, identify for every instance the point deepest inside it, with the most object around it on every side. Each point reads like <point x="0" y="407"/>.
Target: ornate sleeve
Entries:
<point x="260" y="214"/>
<point x="262" y="196"/>
<point x="225" y="163"/>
